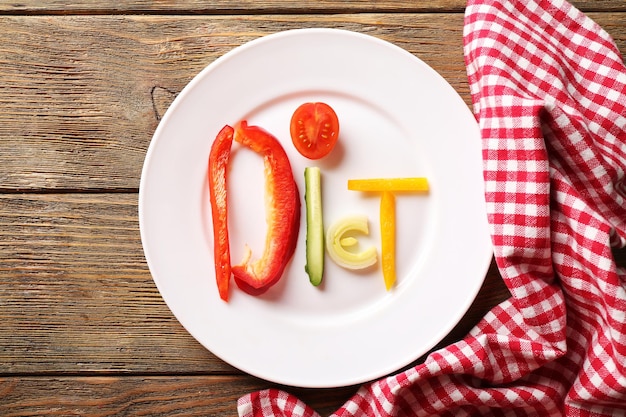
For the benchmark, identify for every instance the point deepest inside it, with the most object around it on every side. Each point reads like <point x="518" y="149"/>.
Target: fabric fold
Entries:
<point x="548" y="89"/>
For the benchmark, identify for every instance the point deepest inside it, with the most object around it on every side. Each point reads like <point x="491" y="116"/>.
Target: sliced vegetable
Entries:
<point x="314" y="225"/>
<point x="218" y="163"/>
<point x="349" y="241"/>
<point x="389" y="184"/>
<point x="336" y="243"/>
<point x="314" y="129"/>
<point x="388" y="237"/>
<point x="282" y="202"/>
<point x="387" y="187"/>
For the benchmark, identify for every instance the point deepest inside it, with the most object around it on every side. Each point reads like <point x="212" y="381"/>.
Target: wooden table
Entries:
<point x="83" y="85"/>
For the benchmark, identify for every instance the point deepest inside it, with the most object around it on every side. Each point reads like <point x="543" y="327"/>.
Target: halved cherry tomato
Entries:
<point x="314" y="129"/>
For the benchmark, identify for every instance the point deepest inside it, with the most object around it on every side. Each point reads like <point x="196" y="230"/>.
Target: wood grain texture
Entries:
<point x="265" y="6"/>
<point x="76" y="295"/>
<point x="144" y="396"/>
<point x="81" y="96"/>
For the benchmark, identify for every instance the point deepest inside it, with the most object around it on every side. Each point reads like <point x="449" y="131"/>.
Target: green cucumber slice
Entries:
<point x="314" y="225"/>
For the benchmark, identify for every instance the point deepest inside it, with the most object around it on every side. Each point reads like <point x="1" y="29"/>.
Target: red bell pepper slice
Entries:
<point x="218" y="165"/>
<point x="282" y="213"/>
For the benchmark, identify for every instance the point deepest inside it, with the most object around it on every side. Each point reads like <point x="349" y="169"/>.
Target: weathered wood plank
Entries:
<point x="80" y="96"/>
<point x="266" y="6"/>
<point x="135" y="395"/>
<point x="76" y="295"/>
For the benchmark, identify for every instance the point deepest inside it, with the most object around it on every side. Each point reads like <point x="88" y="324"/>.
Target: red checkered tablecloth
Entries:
<point x="549" y="92"/>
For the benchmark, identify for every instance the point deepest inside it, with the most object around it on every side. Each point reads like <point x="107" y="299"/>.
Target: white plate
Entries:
<point x="398" y="118"/>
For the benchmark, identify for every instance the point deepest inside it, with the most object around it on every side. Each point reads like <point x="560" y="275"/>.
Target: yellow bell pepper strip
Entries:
<point x="387" y="187"/>
<point x="388" y="237"/>
<point x="282" y="201"/>
<point x="389" y="184"/>
<point x="219" y="157"/>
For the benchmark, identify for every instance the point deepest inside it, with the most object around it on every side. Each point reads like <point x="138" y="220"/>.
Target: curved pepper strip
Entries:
<point x="218" y="164"/>
<point x="282" y="213"/>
